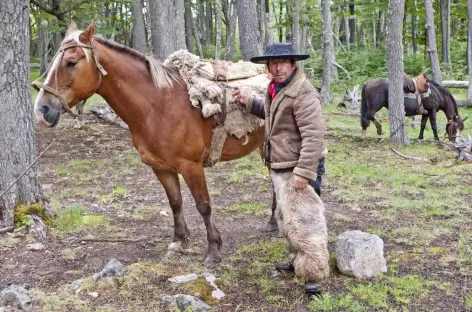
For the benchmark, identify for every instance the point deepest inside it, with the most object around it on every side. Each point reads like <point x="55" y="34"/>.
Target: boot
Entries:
<point x="313" y="289"/>
<point x="421" y="110"/>
<point x="285" y="267"/>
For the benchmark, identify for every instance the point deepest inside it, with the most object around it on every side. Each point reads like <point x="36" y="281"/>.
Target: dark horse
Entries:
<point x="170" y="135"/>
<point x="434" y="98"/>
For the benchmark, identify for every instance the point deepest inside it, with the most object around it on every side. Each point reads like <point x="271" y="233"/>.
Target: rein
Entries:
<point x="101" y="72"/>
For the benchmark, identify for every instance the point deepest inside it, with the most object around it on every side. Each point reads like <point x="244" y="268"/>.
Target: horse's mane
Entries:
<point x="444" y="92"/>
<point x="163" y="76"/>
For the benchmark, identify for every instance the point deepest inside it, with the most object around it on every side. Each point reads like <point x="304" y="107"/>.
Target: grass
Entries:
<point x="73" y="219"/>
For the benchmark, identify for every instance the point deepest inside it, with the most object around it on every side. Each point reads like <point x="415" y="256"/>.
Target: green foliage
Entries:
<point x="73" y="219"/>
<point x="21" y="212"/>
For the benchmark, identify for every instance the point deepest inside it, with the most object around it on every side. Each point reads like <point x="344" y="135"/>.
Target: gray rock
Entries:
<point x="360" y="254"/>
<point x="35" y="246"/>
<point x="183" y="278"/>
<point x="113" y="268"/>
<point x="77" y="287"/>
<point x="16" y="296"/>
<point x="185" y="303"/>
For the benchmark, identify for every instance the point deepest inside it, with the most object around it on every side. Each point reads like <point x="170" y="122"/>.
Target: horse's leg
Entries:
<point x="378" y="126"/>
<point x="424" y="119"/>
<point x="170" y="182"/>
<point x="272" y="224"/>
<point x="194" y="176"/>
<point x="434" y="126"/>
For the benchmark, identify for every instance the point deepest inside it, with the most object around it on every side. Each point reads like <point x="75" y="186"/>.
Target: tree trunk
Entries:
<point x="446" y="31"/>
<point x="218" y="30"/>
<point x="374" y="33"/>
<point x="396" y="108"/>
<point x="327" y="51"/>
<point x="469" y="49"/>
<point x="189" y="32"/>
<point x="296" y="26"/>
<point x="231" y="30"/>
<point x="43" y="39"/>
<point x="347" y="32"/>
<point x="139" y="34"/>
<point x="352" y="25"/>
<point x="17" y="136"/>
<point x="363" y="36"/>
<point x="281" y="15"/>
<point x="197" y="36"/>
<point x="167" y="26"/>
<point x="262" y="22"/>
<point x="414" y="31"/>
<point x="381" y="27"/>
<point x="249" y="36"/>
<point x="432" y="50"/>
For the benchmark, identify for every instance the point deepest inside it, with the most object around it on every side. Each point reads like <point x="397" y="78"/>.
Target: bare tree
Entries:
<point x="17" y="136"/>
<point x="352" y="24"/>
<point x="232" y="16"/>
<point x="414" y="31"/>
<point x="327" y="50"/>
<point x="469" y="49"/>
<point x="446" y="32"/>
<point x="218" y="29"/>
<point x="296" y="25"/>
<point x="43" y="39"/>
<point x="167" y="26"/>
<point x="139" y="33"/>
<point x="189" y="31"/>
<point x="432" y="50"/>
<point x="396" y="108"/>
<point x="249" y="35"/>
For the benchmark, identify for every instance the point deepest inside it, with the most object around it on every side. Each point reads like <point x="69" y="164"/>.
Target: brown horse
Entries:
<point x="170" y="135"/>
<point x="375" y="96"/>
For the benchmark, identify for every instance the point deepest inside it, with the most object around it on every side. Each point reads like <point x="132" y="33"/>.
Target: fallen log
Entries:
<point x="455" y="84"/>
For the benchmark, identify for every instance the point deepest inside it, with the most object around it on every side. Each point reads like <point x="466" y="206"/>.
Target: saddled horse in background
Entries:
<point x="433" y="96"/>
<point x="170" y="135"/>
<point x="375" y="96"/>
<point x="441" y="99"/>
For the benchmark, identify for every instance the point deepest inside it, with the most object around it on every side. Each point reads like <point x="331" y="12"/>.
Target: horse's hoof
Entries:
<point x="314" y="289"/>
<point x="285" y="267"/>
<point x="211" y="260"/>
<point x="272" y="227"/>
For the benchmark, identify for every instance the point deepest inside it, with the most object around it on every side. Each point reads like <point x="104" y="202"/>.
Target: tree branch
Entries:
<point x="410" y="157"/>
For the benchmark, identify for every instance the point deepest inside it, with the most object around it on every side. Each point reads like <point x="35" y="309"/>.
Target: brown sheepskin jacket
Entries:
<point x="294" y="126"/>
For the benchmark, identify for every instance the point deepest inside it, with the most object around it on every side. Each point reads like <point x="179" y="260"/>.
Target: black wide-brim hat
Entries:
<point x="279" y="50"/>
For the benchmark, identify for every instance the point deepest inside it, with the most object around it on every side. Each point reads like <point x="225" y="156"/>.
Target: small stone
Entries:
<point x="93" y="295"/>
<point x="183" y="278"/>
<point x="163" y="213"/>
<point x="113" y="268"/>
<point x="77" y="287"/>
<point x="35" y="246"/>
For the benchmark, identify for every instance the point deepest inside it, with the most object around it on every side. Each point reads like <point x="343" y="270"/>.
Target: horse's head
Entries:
<point x="454" y="127"/>
<point x="351" y="98"/>
<point x="74" y="75"/>
<point x="422" y="85"/>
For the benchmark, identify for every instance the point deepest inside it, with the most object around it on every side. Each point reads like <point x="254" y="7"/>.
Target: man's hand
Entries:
<point x="241" y="96"/>
<point x="299" y="182"/>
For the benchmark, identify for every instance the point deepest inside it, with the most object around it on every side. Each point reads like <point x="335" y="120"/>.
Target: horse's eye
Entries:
<point x="71" y="64"/>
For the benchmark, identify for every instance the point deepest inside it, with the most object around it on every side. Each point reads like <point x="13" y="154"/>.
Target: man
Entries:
<point x="294" y="143"/>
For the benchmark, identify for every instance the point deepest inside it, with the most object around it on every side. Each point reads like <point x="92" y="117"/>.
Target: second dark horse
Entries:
<point x="434" y="98"/>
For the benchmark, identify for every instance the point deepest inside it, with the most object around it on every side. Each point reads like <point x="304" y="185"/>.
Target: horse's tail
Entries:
<point x="364" y="121"/>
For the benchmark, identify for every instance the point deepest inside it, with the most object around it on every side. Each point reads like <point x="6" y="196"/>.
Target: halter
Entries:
<point x="101" y="72"/>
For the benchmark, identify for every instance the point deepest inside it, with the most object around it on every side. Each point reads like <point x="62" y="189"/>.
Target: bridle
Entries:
<point x="101" y="72"/>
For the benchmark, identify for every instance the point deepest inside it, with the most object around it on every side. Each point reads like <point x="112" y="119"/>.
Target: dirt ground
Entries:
<point x="97" y="169"/>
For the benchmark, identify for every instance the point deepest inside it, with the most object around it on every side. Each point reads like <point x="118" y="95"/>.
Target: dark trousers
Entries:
<point x="316" y="184"/>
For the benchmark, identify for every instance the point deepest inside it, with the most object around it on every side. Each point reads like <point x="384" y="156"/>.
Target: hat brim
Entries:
<point x="263" y="59"/>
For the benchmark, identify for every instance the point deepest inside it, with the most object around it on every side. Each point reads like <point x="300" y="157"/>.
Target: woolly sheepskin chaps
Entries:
<point x="301" y="220"/>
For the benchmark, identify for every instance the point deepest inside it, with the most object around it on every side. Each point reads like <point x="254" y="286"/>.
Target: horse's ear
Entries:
<point x="87" y="35"/>
<point x="465" y="118"/>
<point x="72" y="27"/>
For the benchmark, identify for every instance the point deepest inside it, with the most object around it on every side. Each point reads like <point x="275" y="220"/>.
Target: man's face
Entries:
<point x="281" y="69"/>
